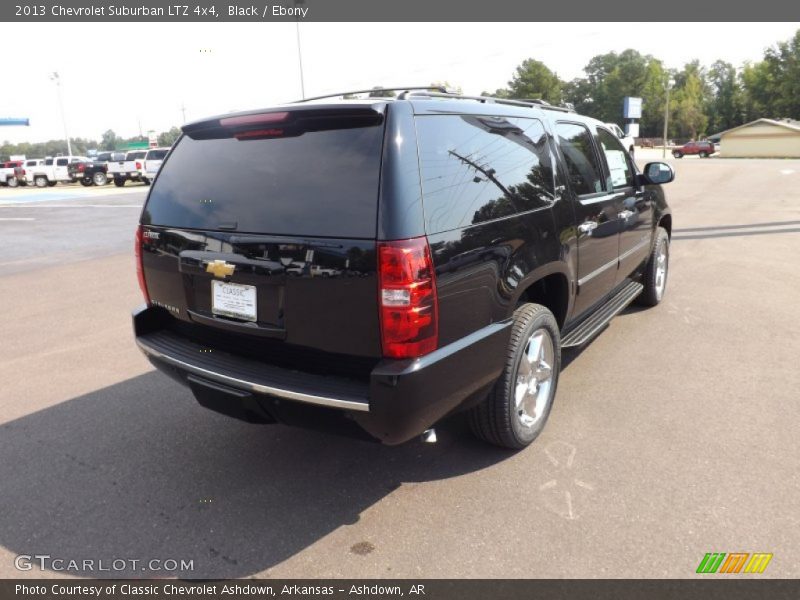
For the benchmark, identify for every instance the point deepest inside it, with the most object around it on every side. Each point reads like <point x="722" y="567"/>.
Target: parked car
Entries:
<point x="130" y="168"/>
<point x="7" y="175"/>
<point x="24" y="173"/>
<point x="561" y="231"/>
<point x="627" y="140"/>
<point x="55" y="169"/>
<point x="94" y="172"/>
<point x="702" y="149"/>
<point x="152" y="163"/>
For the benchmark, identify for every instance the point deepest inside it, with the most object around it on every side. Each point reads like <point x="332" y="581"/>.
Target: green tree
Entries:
<point x="109" y="140"/>
<point x="726" y="108"/>
<point x="167" y="138"/>
<point x="533" y="79"/>
<point x="691" y="99"/>
<point x="381" y="94"/>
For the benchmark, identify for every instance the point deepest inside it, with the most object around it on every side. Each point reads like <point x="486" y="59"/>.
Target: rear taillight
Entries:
<point x="138" y="165"/>
<point x="81" y="167"/>
<point x="139" y="268"/>
<point x="408" y="304"/>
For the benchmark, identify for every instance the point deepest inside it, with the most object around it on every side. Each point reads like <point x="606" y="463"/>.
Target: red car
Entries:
<point x="702" y="149"/>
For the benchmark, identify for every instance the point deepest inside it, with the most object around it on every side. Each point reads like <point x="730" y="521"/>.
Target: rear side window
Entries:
<point x="320" y="183"/>
<point x="62" y="162"/>
<point x="580" y="158"/>
<point x="477" y="168"/>
<point x="156" y="155"/>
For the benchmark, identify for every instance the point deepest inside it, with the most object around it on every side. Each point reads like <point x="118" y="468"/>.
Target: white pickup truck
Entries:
<point x="626" y="140"/>
<point x="54" y="169"/>
<point x="27" y="169"/>
<point x="132" y="168"/>
<point x="152" y="163"/>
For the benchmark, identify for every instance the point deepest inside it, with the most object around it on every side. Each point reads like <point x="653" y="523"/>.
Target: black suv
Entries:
<point x="375" y="265"/>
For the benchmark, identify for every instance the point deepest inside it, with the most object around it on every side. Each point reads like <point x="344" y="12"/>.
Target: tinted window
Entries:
<point x="318" y="183"/>
<point x="156" y="154"/>
<point x="477" y="168"/>
<point x="135" y="155"/>
<point x="580" y="158"/>
<point x="48" y="162"/>
<point x="62" y="162"/>
<point x="620" y="170"/>
<point x="31" y="163"/>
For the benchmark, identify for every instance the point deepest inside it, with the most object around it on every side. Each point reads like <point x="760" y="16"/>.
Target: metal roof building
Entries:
<point x="765" y="138"/>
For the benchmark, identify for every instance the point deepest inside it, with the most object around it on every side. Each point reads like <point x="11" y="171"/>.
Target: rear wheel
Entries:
<point x="119" y="182"/>
<point x="12" y="182"/>
<point x="40" y="181"/>
<point x="656" y="271"/>
<point x="516" y="410"/>
<point x="703" y="154"/>
<point x="100" y="178"/>
<point x="51" y="183"/>
<point x="145" y="180"/>
<point x="86" y="182"/>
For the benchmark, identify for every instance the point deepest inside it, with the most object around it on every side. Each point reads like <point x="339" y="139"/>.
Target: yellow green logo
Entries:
<point x="734" y="562"/>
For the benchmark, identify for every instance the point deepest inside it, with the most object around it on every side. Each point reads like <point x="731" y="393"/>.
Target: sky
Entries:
<point x="133" y="77"/>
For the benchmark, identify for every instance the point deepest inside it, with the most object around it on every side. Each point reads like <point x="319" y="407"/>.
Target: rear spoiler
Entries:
<point x="286" y="121"/>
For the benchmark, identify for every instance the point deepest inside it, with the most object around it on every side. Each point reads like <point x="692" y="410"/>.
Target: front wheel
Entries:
<point x="677" y="154"/>
<point x="704" y="154"/>
<point x="40" y="181"/>
<point x="12" y="182"/>
<point x="100" y="178"/>
<point x="86" y="182"/>
<point x="656" y="271"/>
<point x="516" y="410"/>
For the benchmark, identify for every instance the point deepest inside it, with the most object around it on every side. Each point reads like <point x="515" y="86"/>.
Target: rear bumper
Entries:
<point x="401" y="399"/>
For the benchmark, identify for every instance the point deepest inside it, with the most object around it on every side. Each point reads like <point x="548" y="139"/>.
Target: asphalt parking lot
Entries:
<point x="674" y="432"/>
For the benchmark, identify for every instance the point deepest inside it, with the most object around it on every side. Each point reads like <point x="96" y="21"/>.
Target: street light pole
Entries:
<point x="299" y="53"/>
<point x="666" y="119"/>
<point x="55" y="77"/>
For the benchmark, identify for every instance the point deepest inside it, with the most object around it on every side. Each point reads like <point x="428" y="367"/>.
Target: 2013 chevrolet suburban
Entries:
<point x="375" y="265"/>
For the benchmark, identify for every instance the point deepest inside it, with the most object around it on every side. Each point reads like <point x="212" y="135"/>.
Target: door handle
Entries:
<point x="625" y="214"/>
<point x="587" y="226"/>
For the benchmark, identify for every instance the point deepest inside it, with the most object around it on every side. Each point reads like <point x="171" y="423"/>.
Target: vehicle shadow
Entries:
<point x="138" y="471"/>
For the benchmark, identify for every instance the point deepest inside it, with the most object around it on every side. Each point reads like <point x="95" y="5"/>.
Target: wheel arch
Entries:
<point x="550" y="289"/>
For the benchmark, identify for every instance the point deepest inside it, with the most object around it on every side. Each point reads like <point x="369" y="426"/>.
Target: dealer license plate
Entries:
<point x="233" y="300"/>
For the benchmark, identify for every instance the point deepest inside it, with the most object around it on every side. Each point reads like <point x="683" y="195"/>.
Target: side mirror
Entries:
<point x="658" y="173"/>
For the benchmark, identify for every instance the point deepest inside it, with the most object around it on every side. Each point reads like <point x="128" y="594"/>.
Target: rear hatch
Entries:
<point x="258" y="235"/>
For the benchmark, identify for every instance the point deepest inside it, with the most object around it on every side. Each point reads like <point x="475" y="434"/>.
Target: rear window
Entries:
<point x="135" y="155"/>
<point x="156" y="154"/>
<point x="320" y="183"/>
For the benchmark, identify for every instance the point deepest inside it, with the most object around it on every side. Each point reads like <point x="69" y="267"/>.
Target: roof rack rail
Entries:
<point x="509" y="101"/>
<point x="403" y="88"/>
<point x="435" y="91"/>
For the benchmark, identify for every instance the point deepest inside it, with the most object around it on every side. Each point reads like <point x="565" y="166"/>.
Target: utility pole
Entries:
<point x="666" y="119"/>
<point x="55" y="77"/>
<point x="183" y="111"/>
<point x="299" y="53"/>
<point x="489" y="174"/>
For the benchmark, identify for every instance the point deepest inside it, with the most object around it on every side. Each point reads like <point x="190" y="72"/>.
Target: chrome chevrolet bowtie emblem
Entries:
<point x="220" y="268"/>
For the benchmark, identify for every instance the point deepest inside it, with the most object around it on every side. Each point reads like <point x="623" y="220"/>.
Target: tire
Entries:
<point x="504" y="418"/>
<point x="656" y="271"/>
<point x="677" y="154"/>
<point x="703" y="154"/>
<point x="145" y="181"/>
<point x="40" y="181"/>
<point x="119" y="182"/>
<point x="12" y="182"/>
<point x="99" y="178"/>
<point x="51" y="183"/>
<point x="86" y="182"/>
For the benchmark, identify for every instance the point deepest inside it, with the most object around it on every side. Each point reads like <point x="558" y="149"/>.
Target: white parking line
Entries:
<point x="27" y="206"/>
<point x="16" y="218"/>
